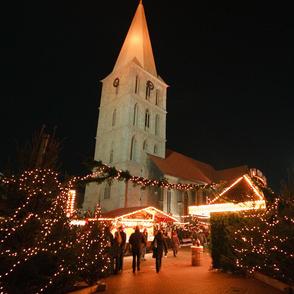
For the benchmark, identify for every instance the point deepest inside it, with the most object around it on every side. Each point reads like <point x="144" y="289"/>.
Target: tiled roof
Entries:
<point x="230" y="173"/>
<point x="184" y="167"/>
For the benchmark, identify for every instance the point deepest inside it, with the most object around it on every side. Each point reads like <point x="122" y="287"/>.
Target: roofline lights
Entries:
<point x="206" y="210"/>
<point x="226" y="189"/>
<point x="147" y="209"/>
<point x="249" y="181"/>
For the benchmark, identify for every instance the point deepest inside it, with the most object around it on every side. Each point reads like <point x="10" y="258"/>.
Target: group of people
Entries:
<point x="159" y="245"/>
<point x="138" y="247"/>
<point x="200" y="237"/>
<point x="116" y="248"/>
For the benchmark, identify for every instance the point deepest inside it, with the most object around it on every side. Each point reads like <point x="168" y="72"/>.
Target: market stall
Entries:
<point x="147" y="217"/>
<point x="242" y="194"/>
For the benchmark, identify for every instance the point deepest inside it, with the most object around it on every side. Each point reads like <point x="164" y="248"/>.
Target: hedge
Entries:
<point x="254" y="241"/>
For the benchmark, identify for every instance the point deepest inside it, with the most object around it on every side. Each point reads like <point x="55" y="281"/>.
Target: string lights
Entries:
<point x="42" y="215"/>
<point x="47" y="204"/>
<point x="265" y="241"/>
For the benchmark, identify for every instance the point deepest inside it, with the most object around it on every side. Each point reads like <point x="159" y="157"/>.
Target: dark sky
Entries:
<point x="229" y="67"/>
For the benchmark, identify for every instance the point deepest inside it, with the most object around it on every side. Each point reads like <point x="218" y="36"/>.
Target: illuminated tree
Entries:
<point x="37" y="241"/>
<point x="94" y="261"/>
<point x="265" y="242"/>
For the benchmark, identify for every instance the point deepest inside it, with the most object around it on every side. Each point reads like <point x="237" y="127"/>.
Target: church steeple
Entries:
<point x="137" y="44"/>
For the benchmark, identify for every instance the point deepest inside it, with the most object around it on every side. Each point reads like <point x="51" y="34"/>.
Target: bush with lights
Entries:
<point x="93" y="260"/>
<point x="36" y="241"/>
<point x="251" y="241"/>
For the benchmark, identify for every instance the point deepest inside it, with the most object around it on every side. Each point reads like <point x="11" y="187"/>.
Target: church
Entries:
<point x="131" y="135"/>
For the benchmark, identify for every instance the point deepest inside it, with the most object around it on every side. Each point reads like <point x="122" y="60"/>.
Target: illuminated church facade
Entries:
<point x="131" y="135"/>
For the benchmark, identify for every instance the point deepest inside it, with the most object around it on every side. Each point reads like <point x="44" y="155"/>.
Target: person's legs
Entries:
<point x="143" y="252"/>
<point x="121" y="260"/>
<point x="174" y="251"/>
<point x="157" y="263"/>
<point x="134" y="261"/>
<point x="116" y="265"/>
<point x="138" y="260"/>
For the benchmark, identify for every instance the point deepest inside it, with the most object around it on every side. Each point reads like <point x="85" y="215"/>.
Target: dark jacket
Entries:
<point x="159" y="245"/>
<point x="124" y="238"/>
<point x="136" y="240"/>
<point x="116" y="246"/>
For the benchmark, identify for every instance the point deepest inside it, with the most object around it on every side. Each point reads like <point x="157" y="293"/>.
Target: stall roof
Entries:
<point x="130" y="212"/>
<point x="122" y="211"/>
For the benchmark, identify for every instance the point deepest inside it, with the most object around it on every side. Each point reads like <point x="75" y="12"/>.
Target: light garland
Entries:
<point x="265" y="239"/>
<point x="34" y="185"/>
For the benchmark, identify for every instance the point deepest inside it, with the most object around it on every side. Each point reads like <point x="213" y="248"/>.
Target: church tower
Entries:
<point x="132" y="120"/>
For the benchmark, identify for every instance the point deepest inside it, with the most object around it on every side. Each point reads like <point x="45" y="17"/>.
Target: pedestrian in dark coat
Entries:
<point x="136" y="240"/>
<point x="109" y="247"/>
<point x="122" y="247"/>
<point x="144" y="248"/>
<point x="175" y="243"/>
<point x="158" y="246"/>
<point x="166" y="240"/>
<point x="116" y="249"/>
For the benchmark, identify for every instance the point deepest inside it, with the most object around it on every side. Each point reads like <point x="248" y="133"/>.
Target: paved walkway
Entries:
<point x="178" y="276"/>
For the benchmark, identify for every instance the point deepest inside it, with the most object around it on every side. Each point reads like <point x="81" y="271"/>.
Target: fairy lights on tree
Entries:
<point x="264" y="240"/>
<point x="94" y="262"/>
<point x="37" y="239"/>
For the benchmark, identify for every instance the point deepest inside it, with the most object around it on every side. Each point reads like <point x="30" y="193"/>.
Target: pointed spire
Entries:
<point x="137" y="44"/>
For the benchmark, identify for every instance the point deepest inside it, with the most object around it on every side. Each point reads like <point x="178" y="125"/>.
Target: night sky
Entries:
<point x="229" y="67"/>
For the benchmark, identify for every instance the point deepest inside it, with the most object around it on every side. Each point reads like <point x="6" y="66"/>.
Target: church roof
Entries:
<point x="137" y="44"/>
<point x="184" y="167"/>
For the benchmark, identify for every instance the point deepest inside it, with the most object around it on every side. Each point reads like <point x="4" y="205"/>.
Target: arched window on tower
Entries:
<point x="145" y="145"/>
<point x="135" y="115"/>
<point x="157" y="125"/>
<point x="149" y="88"/>
<point x="107" y="190"/>
<point x="111" y="154"/>
<point x="133" y="149"/>
<point x="113" y="117"/>
<point x="147" y="119"/>
<point x="157" y="97"/>
<point x="137" y="85"/>
<point x="155" y="149"/>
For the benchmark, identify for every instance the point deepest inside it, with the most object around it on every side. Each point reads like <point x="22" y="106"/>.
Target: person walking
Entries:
<point x="166" y="241"/>
<point x="144" y="249"/>
<point x="136" y="240"/>
<point x="175" y="242"/>
<point x="122" y="246"/>
<point x="116" y="248"/>
<point x="158" y="246"/>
